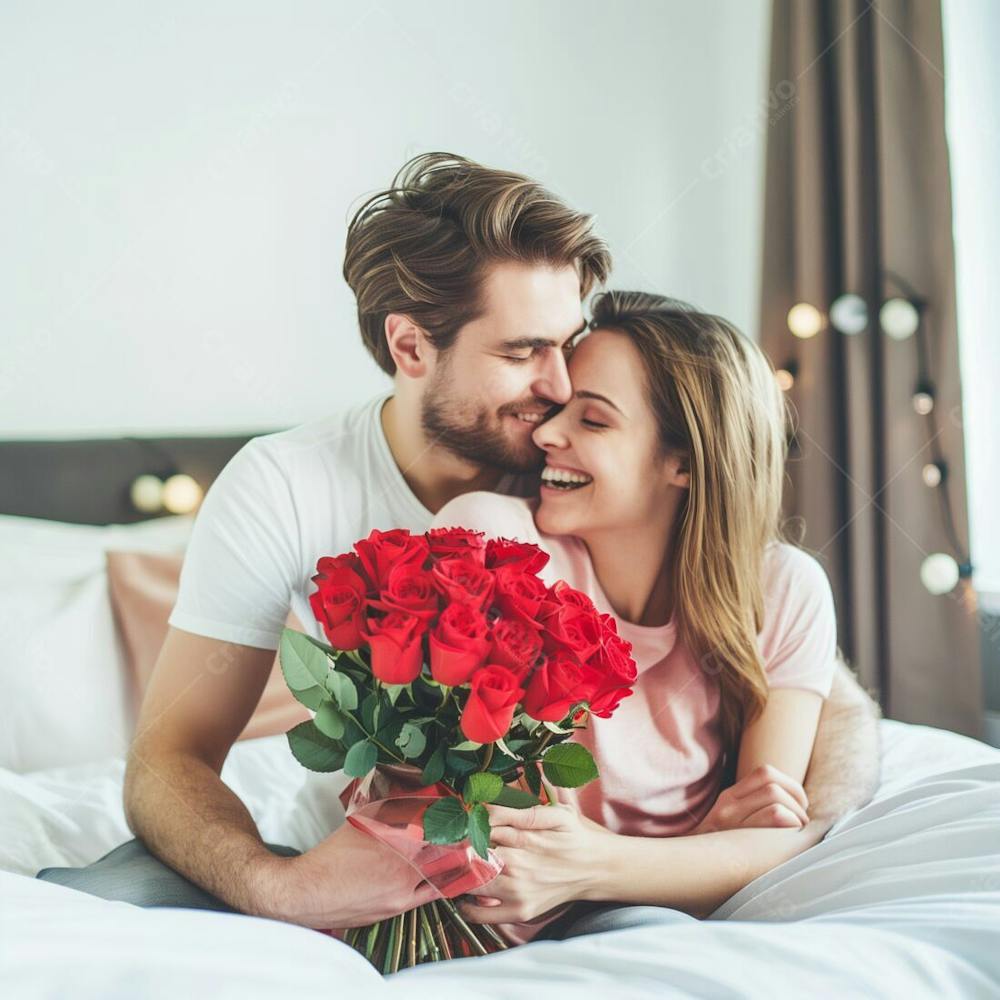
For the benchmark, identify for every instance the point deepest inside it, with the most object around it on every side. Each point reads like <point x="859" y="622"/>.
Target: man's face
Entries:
<point x="507" y="369"/>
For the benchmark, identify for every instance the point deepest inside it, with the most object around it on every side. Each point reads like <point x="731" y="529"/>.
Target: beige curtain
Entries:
<point x="858" y="200"/>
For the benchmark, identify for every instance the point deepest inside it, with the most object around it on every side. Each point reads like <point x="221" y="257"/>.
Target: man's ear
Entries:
<point x="408" y="345"/>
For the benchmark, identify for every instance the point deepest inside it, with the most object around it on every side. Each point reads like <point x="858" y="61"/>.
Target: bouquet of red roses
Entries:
<point x="453" y="677"/>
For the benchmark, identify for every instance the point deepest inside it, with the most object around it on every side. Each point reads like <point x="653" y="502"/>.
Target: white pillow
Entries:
<point x="63" y="694"/>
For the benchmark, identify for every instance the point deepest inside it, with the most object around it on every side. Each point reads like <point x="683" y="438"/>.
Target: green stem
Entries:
<point x="467" y="932"/>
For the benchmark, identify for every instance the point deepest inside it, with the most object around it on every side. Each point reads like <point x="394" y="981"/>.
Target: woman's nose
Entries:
<point x="550" y="435"/>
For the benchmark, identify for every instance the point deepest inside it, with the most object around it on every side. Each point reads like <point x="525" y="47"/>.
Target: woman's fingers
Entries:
<point x="767" y="774"/>
<point x="772" y="795"/>
<point x="533" y="818"/>
<point x="773" y="815"/>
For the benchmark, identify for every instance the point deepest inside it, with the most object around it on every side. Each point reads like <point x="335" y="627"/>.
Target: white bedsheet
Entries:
<point x="902" y="898"/>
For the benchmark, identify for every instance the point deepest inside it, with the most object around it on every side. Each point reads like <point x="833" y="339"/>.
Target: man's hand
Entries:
<point x="348" y="879"/>
<point x="765" y="797"/>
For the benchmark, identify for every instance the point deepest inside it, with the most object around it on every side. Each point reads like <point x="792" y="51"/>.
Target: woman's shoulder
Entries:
<point x="788" y="568"/>
<point x="498" y="514"/>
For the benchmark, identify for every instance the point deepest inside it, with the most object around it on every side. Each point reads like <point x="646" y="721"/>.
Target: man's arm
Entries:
<point x="200" y="696"/>
<point x="844" y="768"/>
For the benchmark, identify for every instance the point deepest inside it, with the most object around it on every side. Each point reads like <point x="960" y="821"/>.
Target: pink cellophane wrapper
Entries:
<point x="389" y="804"/>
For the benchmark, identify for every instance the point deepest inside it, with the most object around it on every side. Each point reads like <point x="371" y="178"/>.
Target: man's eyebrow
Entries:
<point x="535" y="343"/>
<point x="587" y="394"/>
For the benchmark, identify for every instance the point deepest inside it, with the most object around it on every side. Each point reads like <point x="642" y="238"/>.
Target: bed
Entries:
<point x="900" y="899"/>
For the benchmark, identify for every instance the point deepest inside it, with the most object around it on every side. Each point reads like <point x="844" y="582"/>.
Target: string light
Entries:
<point x="933" y="474"/>
<point x="923" y="400"/>
<point x="146" y="494"/>
<point x="899" y="318"/>
<point x="939" y="573"/>
<point x="181" y="494"/>
<point x="785" y="377"/>
<point x="849" y="314"/>
<point x="805" y="320"/>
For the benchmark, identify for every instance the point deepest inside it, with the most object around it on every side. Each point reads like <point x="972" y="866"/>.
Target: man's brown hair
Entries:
<point x="421" y="248"/>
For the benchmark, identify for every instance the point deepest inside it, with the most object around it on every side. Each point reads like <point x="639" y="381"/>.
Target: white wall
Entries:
<point x="972" y="95"/>
<point x="175" y="180"/>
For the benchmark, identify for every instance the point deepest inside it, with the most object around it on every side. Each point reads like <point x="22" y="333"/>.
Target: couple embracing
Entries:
<point x="643" y="449"/>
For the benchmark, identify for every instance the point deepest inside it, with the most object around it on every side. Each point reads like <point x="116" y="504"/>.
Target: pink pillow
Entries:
<point x="143" y="589"/>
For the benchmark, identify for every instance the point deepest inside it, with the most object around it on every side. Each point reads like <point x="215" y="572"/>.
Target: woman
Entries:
<point x="660" y="499"/>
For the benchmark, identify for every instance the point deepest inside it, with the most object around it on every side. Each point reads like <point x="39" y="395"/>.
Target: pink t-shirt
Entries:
<point x="660" y="755"/>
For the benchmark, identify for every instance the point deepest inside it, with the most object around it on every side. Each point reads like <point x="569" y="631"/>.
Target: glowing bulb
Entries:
<point x="805" y="320"/>
<point x="146" y="494"/>
<point x="939" y="573"/>
<point x="181" y="494"/>
<point x="932" y="474"/>
<point x="899" y="318"/>
<point x="923" y="401"/>
<point x="785" y="379"/>
<point x="849" y="314"/>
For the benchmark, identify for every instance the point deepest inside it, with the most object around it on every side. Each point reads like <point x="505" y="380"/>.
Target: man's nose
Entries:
<point x="553" y="382"/>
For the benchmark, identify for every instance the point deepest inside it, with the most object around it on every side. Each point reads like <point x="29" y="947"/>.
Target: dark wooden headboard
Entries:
<point x="87" y="481"/>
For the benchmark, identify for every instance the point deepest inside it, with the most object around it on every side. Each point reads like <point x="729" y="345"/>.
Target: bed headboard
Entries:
<point x="87" y="481"/>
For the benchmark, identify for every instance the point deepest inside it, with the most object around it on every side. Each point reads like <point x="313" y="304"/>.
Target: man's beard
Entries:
<point x="476" y="438"/>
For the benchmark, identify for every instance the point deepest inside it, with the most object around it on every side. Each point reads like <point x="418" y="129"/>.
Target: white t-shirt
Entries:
<point x="280" y="503"/>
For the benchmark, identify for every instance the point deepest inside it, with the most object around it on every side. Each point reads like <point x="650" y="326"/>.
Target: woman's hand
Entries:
<point x="765" y="797"/>
<point x="548" y="854"/>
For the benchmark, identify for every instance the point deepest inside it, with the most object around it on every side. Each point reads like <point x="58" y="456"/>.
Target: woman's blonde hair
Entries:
<point x="718" y="405"/>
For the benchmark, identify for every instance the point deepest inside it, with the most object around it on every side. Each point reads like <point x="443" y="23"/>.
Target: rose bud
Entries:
<point x="492" y="700"/>
<point x="396" y="646"/>
<point x="458" y="644"/>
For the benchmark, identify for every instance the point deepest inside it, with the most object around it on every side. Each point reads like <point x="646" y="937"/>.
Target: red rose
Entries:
<point x="518" y="594"/>
<point x="381" y="551"/>
<point x="461" y="579"/>
<point x="525" y="556"/>
<point x="338" y="603"/>
<point x="554" y="688"/>
<point x="611" y="671"/>
<point x="397" y="649"/>
<point x="573" y="629"/>
<point x="445" y="542"/>
<point x="516" y="644"/>
<point x="458" y="644"/>
<point x="409" y="589"/>
<point x="493" y="698"/>
<point x="561" y="593"/>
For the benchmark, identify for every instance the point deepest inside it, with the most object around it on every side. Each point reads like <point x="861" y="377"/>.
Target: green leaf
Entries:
<point x="516" y="798"/>
<point x="360" y="759"/>
<point x="482" y="787"/>
<point x="445" y="821"/>
<point x="534" y="777"/>
<point x="303" y="663"/>
<point x="342" y="690"/>
<point x="393" y="691"/>
<point x="507" y="750"/>
<point x="467" y="745"/>
<point x="501" y="762"/>
<point x="569" y="765"/>
<point x="556" y="729"/>
<point x="411" y="740"/>
<point x="528" y="722"/>
<point x="479" y="829"/>
<point x="434" y="768"/>
<point x="460" y="764"/>
<point x="330" y="720"/>
<point x="369" y="711"/>
<point x="311" y="697"/>
<point x="314" y="750"/>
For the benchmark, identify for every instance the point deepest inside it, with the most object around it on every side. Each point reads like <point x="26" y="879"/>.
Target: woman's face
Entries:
<point x="610" y="443"/>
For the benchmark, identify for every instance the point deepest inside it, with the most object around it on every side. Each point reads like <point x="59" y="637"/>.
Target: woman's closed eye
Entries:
<point x="592" y="423"/>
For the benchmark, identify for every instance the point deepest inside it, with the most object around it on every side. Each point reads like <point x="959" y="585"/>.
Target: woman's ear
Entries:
<point x="679" y="474"/>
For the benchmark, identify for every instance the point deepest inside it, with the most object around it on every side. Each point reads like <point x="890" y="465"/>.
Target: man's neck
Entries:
<point x="434" y="475"/>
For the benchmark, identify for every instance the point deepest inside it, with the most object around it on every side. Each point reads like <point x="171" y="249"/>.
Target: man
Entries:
<point x="469" y="285"/>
